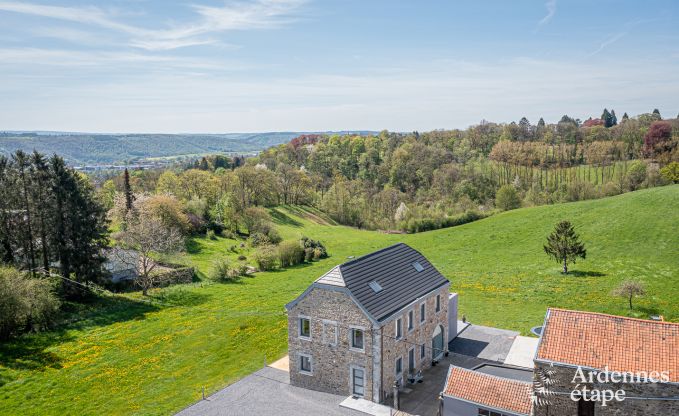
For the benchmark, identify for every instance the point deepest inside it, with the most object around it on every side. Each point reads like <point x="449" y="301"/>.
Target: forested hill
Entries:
<point x="94" y="149"/>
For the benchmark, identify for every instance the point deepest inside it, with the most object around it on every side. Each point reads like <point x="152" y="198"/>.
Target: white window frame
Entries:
<point x="351" y="338"/>
<point x="423" y="312"/>
<point x="398" y="324"/>
<point x="411" y="320"/>
<point x="299" y="364"/>
<point x="438" y="303"/>
<point x="396" y="366"/>
<point x="299" y="327"/>
<point x="351" y="379"/>
<point x="328" y="323"/>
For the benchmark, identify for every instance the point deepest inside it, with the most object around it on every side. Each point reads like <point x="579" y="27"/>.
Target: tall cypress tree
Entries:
<point x="6" y="211"/>
<point x="40" y="193"/>
<point x="127" y="189"/>
<point x="22" y="165"/>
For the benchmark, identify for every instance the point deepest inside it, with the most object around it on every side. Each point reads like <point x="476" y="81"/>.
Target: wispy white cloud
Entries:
<point x="608" y="42"/>
<point x="551" y="11"/>
<point x="448" y="93"/>
<point x="258" y="14"/>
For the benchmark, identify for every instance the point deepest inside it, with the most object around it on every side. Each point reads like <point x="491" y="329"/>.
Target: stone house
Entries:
<point x="637" y="356"/>
<point x="370" y="323"/>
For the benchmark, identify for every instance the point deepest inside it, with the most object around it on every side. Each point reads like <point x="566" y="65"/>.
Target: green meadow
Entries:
<point x="125" y="355"/>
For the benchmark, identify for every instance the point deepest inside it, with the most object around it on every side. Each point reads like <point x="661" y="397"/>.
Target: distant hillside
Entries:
<point x="93" y="149"/>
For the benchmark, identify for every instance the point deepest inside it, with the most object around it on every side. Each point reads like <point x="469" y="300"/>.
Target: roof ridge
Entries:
<point x="365" y="256"/>
<point x="468" y="370"/>
<point x="611" y="316"/>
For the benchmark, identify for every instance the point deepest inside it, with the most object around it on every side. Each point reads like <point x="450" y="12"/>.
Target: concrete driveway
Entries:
<point x="268" y="392"/>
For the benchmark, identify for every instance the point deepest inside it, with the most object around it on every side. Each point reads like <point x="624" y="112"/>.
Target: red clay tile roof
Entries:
<point x="489" y="391"/>
<point x="597" y="340"/>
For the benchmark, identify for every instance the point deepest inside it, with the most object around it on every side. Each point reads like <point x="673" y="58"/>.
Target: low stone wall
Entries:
<point x="175" y="274"/>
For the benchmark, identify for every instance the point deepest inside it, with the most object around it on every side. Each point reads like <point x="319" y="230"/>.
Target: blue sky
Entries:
<point x="303" y="65"/>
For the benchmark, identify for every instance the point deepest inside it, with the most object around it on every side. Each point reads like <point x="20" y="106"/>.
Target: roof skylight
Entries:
<point x="418" y="266"/>
<point x="375" y="286"/>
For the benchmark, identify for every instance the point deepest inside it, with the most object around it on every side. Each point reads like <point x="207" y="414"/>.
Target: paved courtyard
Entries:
<point x="268" y="391"/>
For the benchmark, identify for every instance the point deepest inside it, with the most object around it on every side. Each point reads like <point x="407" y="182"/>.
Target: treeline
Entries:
<point x="419" y="181"/>
<point x="50" y="222"/>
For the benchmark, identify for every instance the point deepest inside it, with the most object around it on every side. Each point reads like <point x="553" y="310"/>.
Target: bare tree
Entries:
<point x="629" y="289"/>
<point x="147" y="235"/>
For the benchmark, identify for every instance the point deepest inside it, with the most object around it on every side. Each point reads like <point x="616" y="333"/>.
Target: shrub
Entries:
<point x="273" y="235"/>
<point x="507" y="198"/>
<point x="416" y="225"/>
<point x="671" y="172"/>
<point x="210" y="234"/>
<point x="266" y="258"/>
<point x="224" y="271"/>
<point x="315" y="249"/>
<point x="290" y="253"/>
<point x="259" y="239"/>
<point x="242" y="258"/>
<point x="25" y="303"/>
<point x="636" y="174"/>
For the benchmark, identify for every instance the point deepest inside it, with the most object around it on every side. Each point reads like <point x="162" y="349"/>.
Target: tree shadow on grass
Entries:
<point x="192" y="246"/>
<point x="585" y="273"/>
<point x="178" y="296"/>
<point x="30" y="351"/>
<point x="644" y="312"/>
<point x="281" y="218"/>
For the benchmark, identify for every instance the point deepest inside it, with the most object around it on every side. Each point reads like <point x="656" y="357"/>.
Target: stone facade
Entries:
<point x="562" y="404"/>
<point x="333" y="312"/>
<point x="329" y="310"/>
<point x="421" y="334"/>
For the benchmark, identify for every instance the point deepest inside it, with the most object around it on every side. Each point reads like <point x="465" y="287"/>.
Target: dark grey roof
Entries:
<point x="393" y="269"/>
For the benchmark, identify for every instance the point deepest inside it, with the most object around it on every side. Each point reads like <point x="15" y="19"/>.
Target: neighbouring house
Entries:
<point x="482" y="393"/>
<point x="579" y="352"/>
<point x="625" y="353"/>
<point x="119" y="264"/>
<point x="370" y="324"/>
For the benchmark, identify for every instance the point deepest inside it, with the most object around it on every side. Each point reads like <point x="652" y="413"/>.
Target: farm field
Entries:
<point x="123" y="356"/>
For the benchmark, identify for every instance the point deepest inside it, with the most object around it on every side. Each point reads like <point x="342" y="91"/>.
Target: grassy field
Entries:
<point x="130" y="357"/>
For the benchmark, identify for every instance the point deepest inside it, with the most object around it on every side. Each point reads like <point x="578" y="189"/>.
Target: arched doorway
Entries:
<point x="437" y="338"/>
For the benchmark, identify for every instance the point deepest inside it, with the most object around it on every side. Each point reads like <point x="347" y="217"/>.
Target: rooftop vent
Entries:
<point x="375" y="286"/>
<point x="418" y="266"/>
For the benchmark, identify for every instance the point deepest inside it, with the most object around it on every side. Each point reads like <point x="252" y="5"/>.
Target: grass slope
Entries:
<point x="129" y="357"/>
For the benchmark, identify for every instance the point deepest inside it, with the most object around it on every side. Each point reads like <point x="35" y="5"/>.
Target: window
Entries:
<point x="423" y="315"/>
<point x="357" y="338"/>
<point x="438" y="303"/>
<point x="485" y="412"/>
<point x="418" y="266"/>
<point x="423" y="351"/>
<point x="358" y="381"/>
<point x="585" y="408"/>
<point x="375" y="286"/>
<point x="411" y="361"/>
<point x="304" y="327"/>
<point x="305" y="364"/>
<point x="399" y="328"/>
<point x="399" y="366"/>
<point x="411" y="320"/>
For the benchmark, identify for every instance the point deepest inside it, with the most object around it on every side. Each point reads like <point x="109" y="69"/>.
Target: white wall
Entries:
<point x="452" y="316"/>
